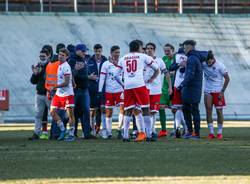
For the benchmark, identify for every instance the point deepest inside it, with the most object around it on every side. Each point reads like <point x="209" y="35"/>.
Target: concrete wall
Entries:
<point x="22" y="36"/>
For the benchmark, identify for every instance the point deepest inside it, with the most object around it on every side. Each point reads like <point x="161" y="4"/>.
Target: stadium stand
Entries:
<point x="129" y="6"/>
<point x="22" y="36"/>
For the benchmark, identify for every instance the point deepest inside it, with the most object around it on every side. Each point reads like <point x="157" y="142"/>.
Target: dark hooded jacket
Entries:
<point x="192" y="83"/>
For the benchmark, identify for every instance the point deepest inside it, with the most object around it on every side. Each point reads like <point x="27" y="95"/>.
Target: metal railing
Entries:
<point x="111" y="4"/>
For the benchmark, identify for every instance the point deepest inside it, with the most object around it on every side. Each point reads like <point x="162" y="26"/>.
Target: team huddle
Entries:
<point x="75" y="86"/>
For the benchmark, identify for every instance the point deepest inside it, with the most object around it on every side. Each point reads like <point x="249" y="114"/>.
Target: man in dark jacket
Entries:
<point x="97" y="113"/>
<point x="191" y="89"/>
<point x="41" y="100"/>
<point x="78" y="64"/>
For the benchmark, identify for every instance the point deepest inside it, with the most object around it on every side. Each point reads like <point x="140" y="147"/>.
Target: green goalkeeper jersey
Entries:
<point x="168" y="61"/>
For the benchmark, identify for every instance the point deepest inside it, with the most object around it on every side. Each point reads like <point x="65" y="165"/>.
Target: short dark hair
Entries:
<point x="59" y="46"/>
<point x="169" y="45"/>
<point x="190" y="42"/>
<point x="134" y="46"/>
<point x="45" y="51"/>
<point x="71" y="48"/>
<point x="152" y="44"/>
<point x="49" y="48"/>
<point x="65" y="51"/>
<point x="210" y="55"/>
<point x="97" y="46"/>
<point x="139" y="41"/>
<point x="113" y="48"/>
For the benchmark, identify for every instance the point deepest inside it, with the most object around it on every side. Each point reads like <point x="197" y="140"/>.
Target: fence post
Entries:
<point x="110" y="6"/>
<point x="180" y="6"/>
<point x="41" y="6"/>
<point x="145" y="6"/>
<point x="75" y="6"/>
<point x="216" y="7"/>
<point x="6" y="5"/>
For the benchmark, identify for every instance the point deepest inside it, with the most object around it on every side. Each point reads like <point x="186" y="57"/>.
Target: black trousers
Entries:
<point x="192" y="114"/>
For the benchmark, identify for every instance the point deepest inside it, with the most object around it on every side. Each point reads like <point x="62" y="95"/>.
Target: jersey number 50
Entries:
<point x="131" y="65"/>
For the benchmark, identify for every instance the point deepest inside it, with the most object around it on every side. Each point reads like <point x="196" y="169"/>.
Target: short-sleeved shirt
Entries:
<point x="214" y="76"/>
<point x="111" y="85"/>
<point x="155" y="86"/>
<point x="133" y="65"/>
<point x="64" y="70"/>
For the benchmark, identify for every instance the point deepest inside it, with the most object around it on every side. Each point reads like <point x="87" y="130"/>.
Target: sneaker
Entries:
<point x="34" y="137"/>
<point x="211" y="136"/>
<point x="148" y="139"/>
<point x="119" y="134"/>
<point x="82" y="136"/>
<point x="44" y="136"/>
<point x="61" y="136"/>
<point x="110" y="136"/>
<point x="177" y="133"/>
<point x="163" y="133"/>
<point x="104" y="134"/>
<point x="125" y="140"/>
<point x="134" y="135"/>
<point x="141" y="137"/>
<point x="70" y="138"/>
<point x="90" y="136"/>
<point x="154" y="137"/>
<point x="187" y="136"/>
<point x="195" y="136"/>
<point x="219" y="136"/>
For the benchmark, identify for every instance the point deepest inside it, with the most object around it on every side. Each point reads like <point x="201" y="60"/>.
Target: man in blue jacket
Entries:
<point x="97" y="114"/>
<point x="191" y="89"/>
<point x="78" y="63"/>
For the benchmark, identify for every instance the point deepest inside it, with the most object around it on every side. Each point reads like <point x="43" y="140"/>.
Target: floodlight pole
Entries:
<point x="180" y="6"/>
<point x="75" y="6"/>
<point x="6" y="5"/>
<point x="41" y="6"/>
<point x="145" y="6"/>
<point x="110" y="6"/>
<point x="216" y="7"/>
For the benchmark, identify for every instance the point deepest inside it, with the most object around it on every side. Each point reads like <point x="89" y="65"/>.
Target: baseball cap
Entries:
<point x="81" y="47"/>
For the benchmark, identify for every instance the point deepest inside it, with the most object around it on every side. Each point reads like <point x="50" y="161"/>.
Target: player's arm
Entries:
<point x="149" y="61"/>
<point x="226" y="82"/>
<point x="168" y="78"/>
<point x="65" y="83"/>
<point x="102" y="78"/>
<point x="118" y="74"/>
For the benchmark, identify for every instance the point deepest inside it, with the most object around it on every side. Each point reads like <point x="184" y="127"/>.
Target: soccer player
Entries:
<point x="97" y="107"/>
<point x="165" y="97"/>
<point x="216" y="82"/>
<point x="154" y="87"/>
<point x="136" y="95"/>
<point x="64" y="97"/>
<point x="179" y="67"/>
<point x="113" y="90"/>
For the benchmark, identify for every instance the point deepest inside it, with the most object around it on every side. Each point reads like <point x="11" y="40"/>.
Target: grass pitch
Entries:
<point x="112" y="161"/>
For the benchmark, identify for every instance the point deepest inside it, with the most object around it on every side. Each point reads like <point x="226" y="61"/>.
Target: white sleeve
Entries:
<point x="119" y="73"/>
<point x="223" y="69"/>
<point x="66" y="70"/>
<point x="162" y="65"/>
<point x="149" y="61"/>
<point x="102" y="77"/>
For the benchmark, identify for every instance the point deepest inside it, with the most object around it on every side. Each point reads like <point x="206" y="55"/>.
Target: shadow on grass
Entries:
<point x="23" y="159"/>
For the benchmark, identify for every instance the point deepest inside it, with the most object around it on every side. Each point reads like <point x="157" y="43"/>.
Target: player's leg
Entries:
<point x="57" y="119"/>
<point x="120" y="121"/>
<point x="45" y="134"/>
<point x="154" y="108"/>
<point x="109" y="113"/>
<point x="162" y="113"/>
<point x="208" y="101"/>
<point x="71" y="122"/>
<point x="188" y="118"/>
<point x="219" y="103"/>
<point x="39" y="110"/>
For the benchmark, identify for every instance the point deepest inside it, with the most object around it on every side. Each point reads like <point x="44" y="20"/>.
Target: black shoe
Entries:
<point x="34" y="137"/>
<point x="148" y="139"/>
<point x="119" y="136"/>
<point x="110" y="136"/>
<point x="125" y="140"/>
<point x="90" y="137"/>
<point x="177" y="133"/>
